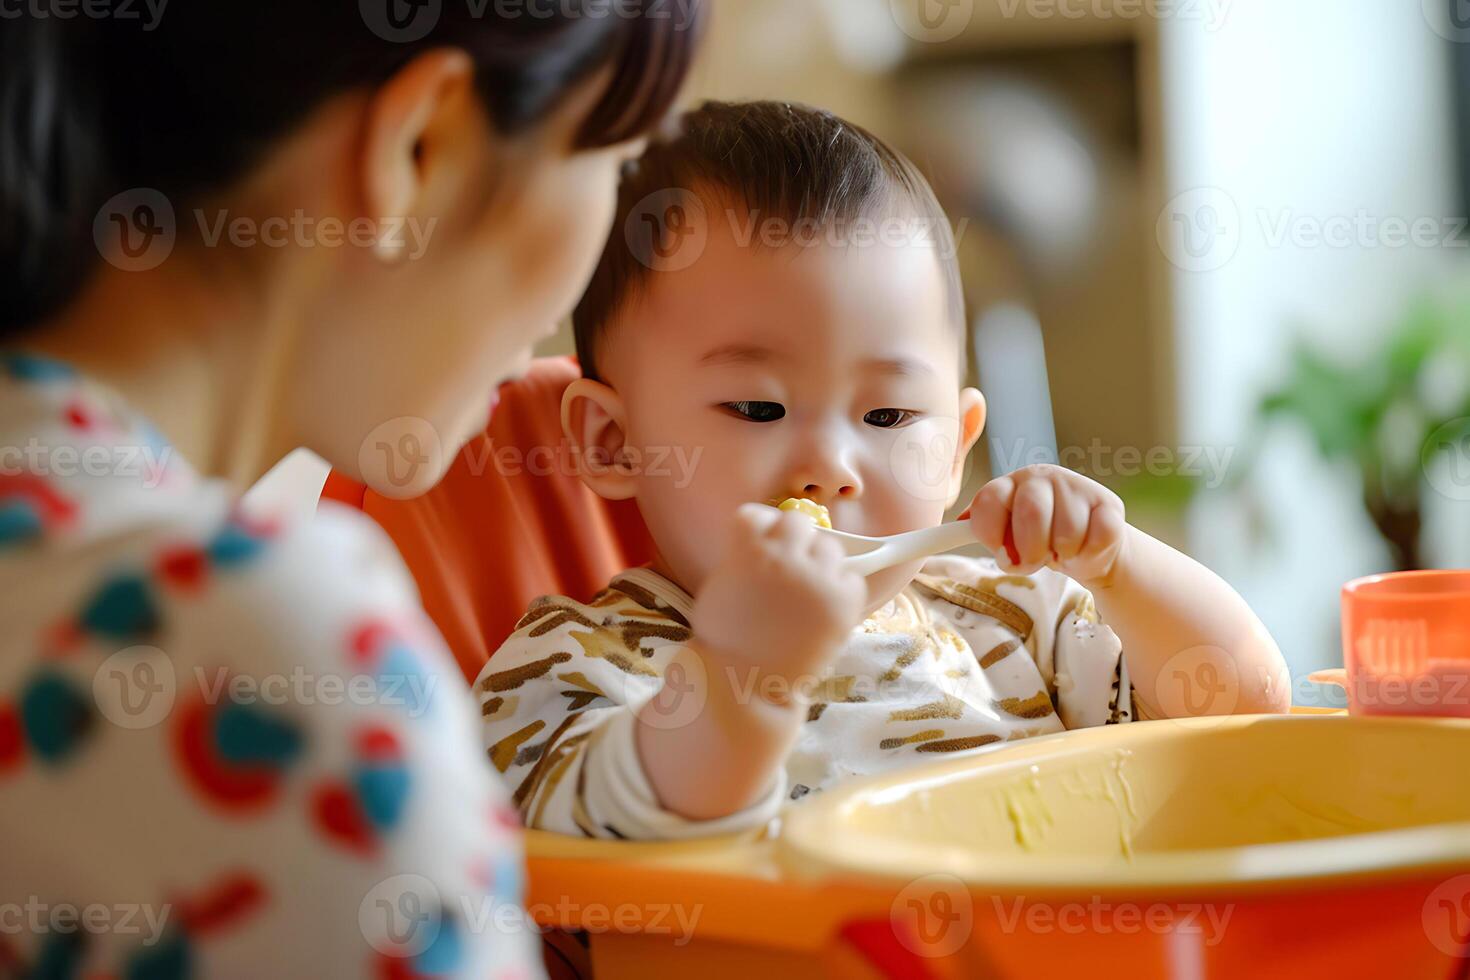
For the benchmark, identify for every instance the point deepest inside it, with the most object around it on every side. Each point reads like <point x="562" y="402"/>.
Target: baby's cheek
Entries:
<point x="691" y="525"/>
<point x="889" y="508"/>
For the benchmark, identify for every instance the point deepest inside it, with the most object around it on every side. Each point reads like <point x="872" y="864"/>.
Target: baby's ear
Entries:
<point x="594" y="420"/>
<point x="972" y="423"/>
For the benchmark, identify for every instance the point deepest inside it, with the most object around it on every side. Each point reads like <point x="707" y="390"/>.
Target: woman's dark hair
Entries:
<point x="187" y="99"/>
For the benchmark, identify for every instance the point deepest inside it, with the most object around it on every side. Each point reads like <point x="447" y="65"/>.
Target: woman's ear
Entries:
<point x="972" y="423"/>
<point x="412" y="121"/>
<point x="595" y="421"/>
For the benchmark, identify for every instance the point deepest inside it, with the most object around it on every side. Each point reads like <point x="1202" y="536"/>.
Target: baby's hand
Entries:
<point x="1054" y="517"/>
<point x="781" y="600"/>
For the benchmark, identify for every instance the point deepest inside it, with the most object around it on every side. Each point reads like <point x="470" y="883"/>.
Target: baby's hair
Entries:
<point x="777" y="160"/>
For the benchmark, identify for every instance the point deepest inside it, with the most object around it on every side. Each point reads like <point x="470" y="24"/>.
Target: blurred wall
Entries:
<point x="1289" y="111"/>
<point x="828" y="53"/>
<point x="790" y="50"/>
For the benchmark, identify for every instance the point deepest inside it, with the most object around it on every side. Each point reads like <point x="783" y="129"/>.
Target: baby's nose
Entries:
<point x="819" y="493"/>
<point x="827" y="487"/>
<point x="824" y="467"/>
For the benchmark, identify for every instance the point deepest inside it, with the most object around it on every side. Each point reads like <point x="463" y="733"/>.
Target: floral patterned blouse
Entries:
<point x="227" y="748"/>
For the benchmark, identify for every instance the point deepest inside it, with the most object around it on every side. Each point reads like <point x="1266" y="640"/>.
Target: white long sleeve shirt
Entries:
<point x="963" y="658"/>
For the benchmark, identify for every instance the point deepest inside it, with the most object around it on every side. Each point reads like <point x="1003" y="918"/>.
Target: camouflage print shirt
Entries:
<point x="963" y="658"/>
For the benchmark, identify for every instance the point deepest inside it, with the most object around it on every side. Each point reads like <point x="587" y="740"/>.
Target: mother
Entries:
<point x="229" y="749"/>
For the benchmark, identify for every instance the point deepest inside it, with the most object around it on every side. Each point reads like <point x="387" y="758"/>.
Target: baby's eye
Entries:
<point x="758" y="411"/>
<point x="890" y="418"/>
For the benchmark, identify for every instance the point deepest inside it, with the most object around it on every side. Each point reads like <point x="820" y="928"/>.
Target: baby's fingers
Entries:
<point x="1107" y="526"/>
<point x="990" y="513"/>
<point x="1031" y="517"/>
<point x="1072" y="513"/>
<point x="826" y="551"/>
<point x="849" y="592"/>
<point x="791" y="534"/>
<point x="756" y="519"/>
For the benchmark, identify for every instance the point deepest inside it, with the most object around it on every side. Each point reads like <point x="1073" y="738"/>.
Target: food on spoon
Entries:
<point x="810" y="508"/>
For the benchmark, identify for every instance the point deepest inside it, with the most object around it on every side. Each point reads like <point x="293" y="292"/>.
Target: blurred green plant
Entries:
<point x="1379" y="414"/>
<point x="1390" y="416"/>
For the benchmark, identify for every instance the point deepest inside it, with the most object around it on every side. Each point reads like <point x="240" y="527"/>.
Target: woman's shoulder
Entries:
<point x="108" y="538"/>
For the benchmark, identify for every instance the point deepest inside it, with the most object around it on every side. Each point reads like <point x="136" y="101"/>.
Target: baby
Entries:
<point x="784" y="307"/>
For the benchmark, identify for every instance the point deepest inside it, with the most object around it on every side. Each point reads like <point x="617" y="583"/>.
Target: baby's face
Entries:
<point x="824" y="372"/>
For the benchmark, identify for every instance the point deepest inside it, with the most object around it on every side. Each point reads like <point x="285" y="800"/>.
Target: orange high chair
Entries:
<point x="510" y="522"/>
<point x="1293" y="847"/>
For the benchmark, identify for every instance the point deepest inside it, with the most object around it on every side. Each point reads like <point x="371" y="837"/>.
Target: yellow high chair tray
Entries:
<point x="1250" y="846"/>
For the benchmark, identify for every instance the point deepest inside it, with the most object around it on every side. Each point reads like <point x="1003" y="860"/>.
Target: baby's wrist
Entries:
<point x="742" y="683"/>
<point x="1118" y="569"/>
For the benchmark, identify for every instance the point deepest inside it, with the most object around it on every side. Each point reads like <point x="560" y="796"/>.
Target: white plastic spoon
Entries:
<point x="869" y="555"/>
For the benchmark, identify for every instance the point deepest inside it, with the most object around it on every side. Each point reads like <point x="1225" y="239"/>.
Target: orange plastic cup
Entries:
<point x="1406" y="643"/>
